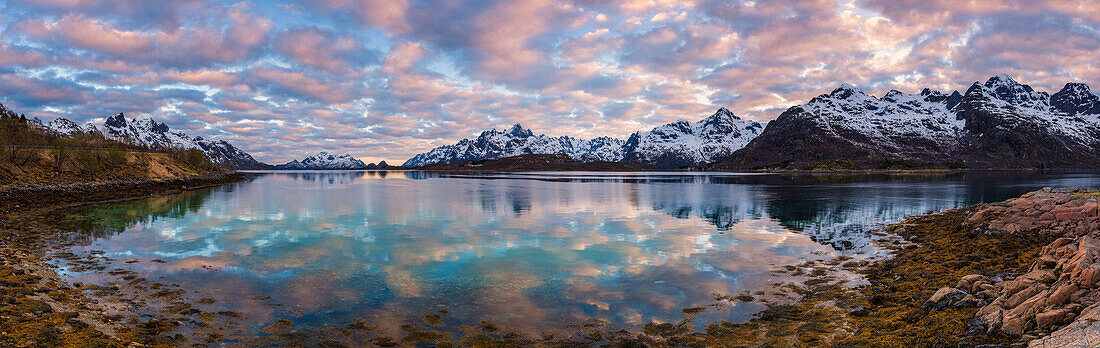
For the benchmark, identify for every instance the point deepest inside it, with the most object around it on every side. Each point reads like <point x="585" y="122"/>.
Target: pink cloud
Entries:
<point x="91" y="33"/>
<point x="304" y="84"/>
<point x="204" y="77"/>
<point x="504" y="33"/>
<point x="317" y="49"/>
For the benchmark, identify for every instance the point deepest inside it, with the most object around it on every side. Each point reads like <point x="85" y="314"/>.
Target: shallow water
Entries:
<point x="531" y="250"/>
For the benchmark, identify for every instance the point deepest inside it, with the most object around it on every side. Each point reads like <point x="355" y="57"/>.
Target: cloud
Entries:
<point x="387" y="79"/>
<point x="321" y="49"/>
<point x="83" y="32"/>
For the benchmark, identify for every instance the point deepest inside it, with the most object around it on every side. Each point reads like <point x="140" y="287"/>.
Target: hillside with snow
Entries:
<point x="997" y="124"/>
<point x="325" y="160"/>
<point x="682" y="143"/>
<point x="670" y="146"/>
<point x="515" y="141"/>
<point x="149" y="133"/>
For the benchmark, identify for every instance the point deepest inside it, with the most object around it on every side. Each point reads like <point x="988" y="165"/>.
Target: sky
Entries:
<point x="386" y="79"/>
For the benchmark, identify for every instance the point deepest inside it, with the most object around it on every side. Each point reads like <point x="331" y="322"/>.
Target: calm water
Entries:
<point x="531" y="250"/>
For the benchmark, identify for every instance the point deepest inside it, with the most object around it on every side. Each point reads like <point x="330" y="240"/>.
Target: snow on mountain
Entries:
<point x="64" y="126"/>
<point x="997" y="124"/>
<point x="516" y="141"/>
<point x="146" y="132"/>
<point x="682" y="143"/>
<point x="1075" y="99"/>
<point x="1009" y="105"/>
<point x="324" y="160"/>
<point x="892" y="122"/>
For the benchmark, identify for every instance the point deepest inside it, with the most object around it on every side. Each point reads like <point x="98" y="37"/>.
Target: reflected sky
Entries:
<point x="532" y="250"/>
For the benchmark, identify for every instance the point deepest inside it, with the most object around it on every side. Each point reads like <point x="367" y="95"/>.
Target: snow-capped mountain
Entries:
<point x="682" y="143"/>
<point x="324" y="160"/>
<point x="997" y="124"/>
<point x="493" y="144"/>
<point x="146" y="132"/>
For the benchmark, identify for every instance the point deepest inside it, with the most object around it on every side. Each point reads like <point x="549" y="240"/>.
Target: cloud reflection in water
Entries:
<point x="528" y="250"/>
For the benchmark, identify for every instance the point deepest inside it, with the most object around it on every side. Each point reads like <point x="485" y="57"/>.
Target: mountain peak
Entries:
<point x="723" y="112"/>
<point x="1003" y="87"/>
<point x="147" y="132"/>
<point x="1076" y="88"/>
<point x="116" y="121"/>
<point x="1075" y="98"/>
<point x="518" y="131"/>
<point x="1000" y="80"/>
<point x="845" y="91"/>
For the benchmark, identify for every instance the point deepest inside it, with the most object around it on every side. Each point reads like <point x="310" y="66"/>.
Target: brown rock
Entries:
<point x="1017" y="285"/>
<point x="968" y="282"/>
<point x="1090" y="275"/>
<point x="1044" y="276"/>
<point x="968" y="301"/>
<point x="1014" y="326"/>
<point x="991" y="316"/>
<point x="1047" y="320"/>
<point x="1021" y="296"/>
<point x="1062" y="294"/>
<point x="1028" y="308"/>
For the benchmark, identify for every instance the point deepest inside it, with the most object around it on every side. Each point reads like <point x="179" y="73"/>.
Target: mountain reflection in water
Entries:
<point x="530" y="250"/>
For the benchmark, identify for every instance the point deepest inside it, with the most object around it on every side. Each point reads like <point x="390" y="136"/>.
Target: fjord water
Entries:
<point x="529" y="250"/>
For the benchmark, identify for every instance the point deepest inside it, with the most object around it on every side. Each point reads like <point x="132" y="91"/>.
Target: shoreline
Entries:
<point x="673" y="171"/>
<point x="63" y="196"/>
<point x="41" y="309"/>
<point x="825" y="309"/>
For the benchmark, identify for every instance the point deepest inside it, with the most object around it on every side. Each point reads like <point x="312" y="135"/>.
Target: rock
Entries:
<point x="1061" y="295"/>
<point x="1044" y="276"/>
<point x="943" y="298"/>
<point x="968" y="282"/>
<point x="1017" y="285"/>
<point x="859" y="312"/>
<point x="1049" y="319"/>
<point x="968" y="301"/>
<point x="989" y="316"/>
<point x="1014" y="326"/>
<point x="1021" y="296"/>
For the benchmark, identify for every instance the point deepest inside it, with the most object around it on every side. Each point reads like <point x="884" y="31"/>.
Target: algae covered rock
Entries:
<point x="944" y="297"/>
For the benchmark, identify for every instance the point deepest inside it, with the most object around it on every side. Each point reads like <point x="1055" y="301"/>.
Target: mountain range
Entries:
<point x="673" y="145"/>
<point x="515" y="141"/>
<point x="146" y="132"/>
<point x="999" y="124"/>
<point x="324" y="160"/>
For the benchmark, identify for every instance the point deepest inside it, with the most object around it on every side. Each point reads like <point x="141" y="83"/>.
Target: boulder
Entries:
<point x="944" y="297"/>
<point x="968" y="301"/>
<point x="969" y="283"/>
<point x="1062" y="294"/>
<point x="1047" y="320"/>
<point x="1044" y="276"/>
<point x="1021" y="296"/>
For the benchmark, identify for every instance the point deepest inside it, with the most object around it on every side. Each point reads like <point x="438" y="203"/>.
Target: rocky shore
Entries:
<point x="1057" y="300"/>
<point x="37" y="308"/>
<point x="99" y="192"/>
